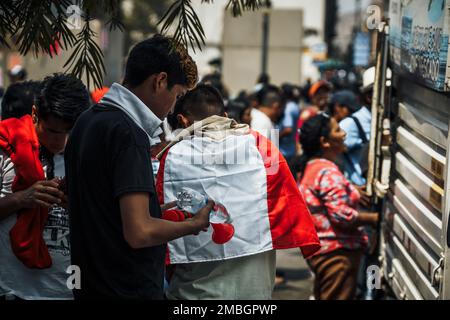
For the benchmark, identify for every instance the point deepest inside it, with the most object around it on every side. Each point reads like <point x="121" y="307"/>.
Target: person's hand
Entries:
<point x="41" y="194"/>
<point x="365" y="200"/>
<point x="168" y="206"/>
<point x="201" y="219"/>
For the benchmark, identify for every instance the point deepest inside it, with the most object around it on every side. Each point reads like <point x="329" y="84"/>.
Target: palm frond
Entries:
<point x="237" y="7"/>
<point x="7" y="21"/>
<point x="34" y="28"/>
<point x="38" y="25"/>
<point x="188" y="28"/>
<point x="87" y="57"/>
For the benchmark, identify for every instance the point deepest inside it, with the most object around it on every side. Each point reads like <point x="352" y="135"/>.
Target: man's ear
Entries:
<point x="324" y="143"/>
<point x="161" y="81"/>
<point x="184" y="121"/>
<point x="34" y="114"/>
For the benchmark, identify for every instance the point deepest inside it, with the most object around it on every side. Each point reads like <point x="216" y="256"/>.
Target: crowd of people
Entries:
<point x="90" y="180"/>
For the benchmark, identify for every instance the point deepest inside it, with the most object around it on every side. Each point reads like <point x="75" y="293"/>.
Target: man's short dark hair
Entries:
<point x="269" y="95"/>
<point x="62" y="96"/>
<point x="19" y="99"/>
<point x="200" y="103"/>
<point x="160" y="54"/>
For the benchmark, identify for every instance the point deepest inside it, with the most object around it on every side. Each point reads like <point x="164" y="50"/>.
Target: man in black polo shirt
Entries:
<point x="117" y="237"/>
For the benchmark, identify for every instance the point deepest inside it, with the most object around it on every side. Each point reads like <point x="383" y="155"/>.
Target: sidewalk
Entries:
<point x="298" y="283"/>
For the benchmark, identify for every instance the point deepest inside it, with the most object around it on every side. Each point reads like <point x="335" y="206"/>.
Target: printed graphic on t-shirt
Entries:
<point x="56" y="232"/>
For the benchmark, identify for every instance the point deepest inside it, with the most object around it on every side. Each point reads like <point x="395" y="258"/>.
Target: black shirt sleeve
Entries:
<point x="132" y="171"/>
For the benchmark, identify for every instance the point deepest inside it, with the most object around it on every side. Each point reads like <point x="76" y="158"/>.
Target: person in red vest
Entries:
<point x="34" y="226"/>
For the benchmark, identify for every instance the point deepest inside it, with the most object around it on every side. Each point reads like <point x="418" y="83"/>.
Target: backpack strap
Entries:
<point x="362" y="134"/>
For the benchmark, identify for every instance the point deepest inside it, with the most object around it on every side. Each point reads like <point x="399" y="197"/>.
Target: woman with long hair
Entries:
<point x="333" y="203"/>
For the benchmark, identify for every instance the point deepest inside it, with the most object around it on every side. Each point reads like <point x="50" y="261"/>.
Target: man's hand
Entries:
<point x="42" y="193"/>
<point x="201" y="218"/>
<point x="168" y="206"/>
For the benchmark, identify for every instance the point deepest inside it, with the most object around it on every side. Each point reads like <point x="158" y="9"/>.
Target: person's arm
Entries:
<point x="140" y="230"/>
<point x="336" y="200"/>
<point x="367" y="219"/>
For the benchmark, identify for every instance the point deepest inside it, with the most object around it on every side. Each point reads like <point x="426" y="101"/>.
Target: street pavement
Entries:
<point x="298" y="283"/>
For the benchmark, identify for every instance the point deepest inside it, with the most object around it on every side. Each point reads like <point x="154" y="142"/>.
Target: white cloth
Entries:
<point x="214" y="127"/>
<point x="262" y="123"/>
<point x="15" y="278"/>
<point x="121" y="98"/>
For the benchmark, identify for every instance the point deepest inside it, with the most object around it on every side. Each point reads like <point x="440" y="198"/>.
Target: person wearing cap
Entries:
<point x="344" y="103"/>
<point x="357" y="125"/>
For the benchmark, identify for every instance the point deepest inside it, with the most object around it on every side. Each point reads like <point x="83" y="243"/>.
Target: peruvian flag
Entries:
<point x="248" y="176"/>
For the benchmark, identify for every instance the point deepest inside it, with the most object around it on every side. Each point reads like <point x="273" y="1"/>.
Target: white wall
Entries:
<point x="242" y="43"/>
<point x="211" y="16"/>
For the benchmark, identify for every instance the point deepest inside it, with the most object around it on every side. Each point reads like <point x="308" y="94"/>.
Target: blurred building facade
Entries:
<point x="311" y="31"/>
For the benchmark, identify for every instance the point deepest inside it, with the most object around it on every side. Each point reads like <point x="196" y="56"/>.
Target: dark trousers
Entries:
<point x="336" y="274"/>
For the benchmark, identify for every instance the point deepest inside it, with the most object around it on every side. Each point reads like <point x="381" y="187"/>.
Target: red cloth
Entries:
<point x="19" y="140"/>
<point x="98" y="94"/>
<point x="291" y="223"/>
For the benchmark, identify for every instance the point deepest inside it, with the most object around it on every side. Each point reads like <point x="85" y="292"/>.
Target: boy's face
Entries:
<point x="158" y="97"/>
<point x="52" y="132"/>
<point x="168" y="98"/>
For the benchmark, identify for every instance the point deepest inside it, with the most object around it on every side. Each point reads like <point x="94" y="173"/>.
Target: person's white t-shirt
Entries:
<point x="262" y="123"/>
<point x="17" y="279"/>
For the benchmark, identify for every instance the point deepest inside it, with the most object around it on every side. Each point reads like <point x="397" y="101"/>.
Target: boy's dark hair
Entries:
<point x="63" y="96"/>
<point x="160" y="54"/>
<point x="269" y="95"/>
<point x="19" y="99"/>
<point x="200" y="103"/>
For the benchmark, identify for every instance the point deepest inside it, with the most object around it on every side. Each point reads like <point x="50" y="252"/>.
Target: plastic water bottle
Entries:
<point x="192" y="201"/>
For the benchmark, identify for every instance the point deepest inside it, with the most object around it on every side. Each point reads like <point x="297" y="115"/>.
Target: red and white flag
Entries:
<point x="248" y="175"/>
